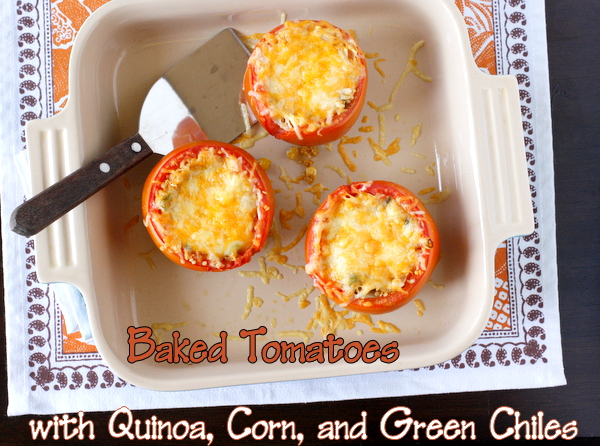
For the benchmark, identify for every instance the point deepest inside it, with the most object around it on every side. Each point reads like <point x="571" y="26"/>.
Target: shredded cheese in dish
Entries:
<point x="208" y="209"/>
<point x="306" y="74"/>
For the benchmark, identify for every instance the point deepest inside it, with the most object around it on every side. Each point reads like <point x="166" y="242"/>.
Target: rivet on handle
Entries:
<point x="104" y="167"/>
<point x="136" y="147"/>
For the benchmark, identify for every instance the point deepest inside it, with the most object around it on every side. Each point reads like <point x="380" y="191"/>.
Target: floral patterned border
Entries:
<point x="44" y="330"/>
<point x="508" y="288"/>
<point x="510" y="36"/>
<point x="31" y="62"/>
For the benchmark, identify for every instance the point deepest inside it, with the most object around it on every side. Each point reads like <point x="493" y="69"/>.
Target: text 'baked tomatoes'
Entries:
<point x="371" y="246"/>
<point x="208" y="206"/>
<point x="306" y="82"/>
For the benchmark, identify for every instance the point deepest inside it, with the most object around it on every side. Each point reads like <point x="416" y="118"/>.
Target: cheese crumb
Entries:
<point x="438" y="197"/>
<point x="426" y="191"/>
<point x="296" y="240"/>
<point x="385" y="327"/>
<point x="147" y="256"/>
<point x="131" y="223"/>
<point x="342" y="150"/>
<point x="266" y="273"/>
<point x="340" y="172"/>
<point x="286" y="216"/>
<point x="301" y="294"/>
<point x="331" y="320"/>
<point x="286" y="178"/>
<point x="251" y="301"/>
<point x="305" y="335"/>
<point x="437" y="287"/>
<point x="247" y="140"/>
<point x="317" y="191"/>
<point x="376" y="64"/>
<point x="420" y="307"/>
<point x="265" y="163"/>
<point x="416" y="132"/>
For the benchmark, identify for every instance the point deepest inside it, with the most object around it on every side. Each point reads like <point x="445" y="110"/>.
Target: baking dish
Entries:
<point x="471" y="140"/>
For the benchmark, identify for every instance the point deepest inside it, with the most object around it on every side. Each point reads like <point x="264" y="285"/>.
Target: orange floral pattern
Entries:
<point x="67" y="17"/>
<point x="71" y="343"/>
<point x="479" y="21"/>
<point x="500" y="319"/>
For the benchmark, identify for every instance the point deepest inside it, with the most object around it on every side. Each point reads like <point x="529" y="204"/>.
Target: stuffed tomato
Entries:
<point x="208" y="206"/>
<point x="371" y="246"/>
<point x="306" y="82"/>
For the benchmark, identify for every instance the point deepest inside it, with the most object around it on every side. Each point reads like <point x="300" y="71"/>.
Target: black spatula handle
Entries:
<point x="52" y="203"/>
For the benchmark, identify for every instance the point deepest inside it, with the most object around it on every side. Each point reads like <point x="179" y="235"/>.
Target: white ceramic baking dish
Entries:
<point x="471" y="137"/>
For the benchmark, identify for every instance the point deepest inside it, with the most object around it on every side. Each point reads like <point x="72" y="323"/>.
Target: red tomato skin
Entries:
<point x="393" y="301"/>
<point x="340" y="125"/>
<point x="267" y="203"/>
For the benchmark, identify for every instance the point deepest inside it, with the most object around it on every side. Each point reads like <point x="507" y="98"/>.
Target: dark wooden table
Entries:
<point x="574" y="59"/>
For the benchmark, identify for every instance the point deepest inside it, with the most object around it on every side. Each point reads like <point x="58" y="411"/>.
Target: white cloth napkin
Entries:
<point x="34" y="311"/>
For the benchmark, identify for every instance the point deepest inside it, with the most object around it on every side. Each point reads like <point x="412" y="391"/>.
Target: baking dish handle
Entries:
<point x="501" y="158"/>
<point x="62" y="253"/>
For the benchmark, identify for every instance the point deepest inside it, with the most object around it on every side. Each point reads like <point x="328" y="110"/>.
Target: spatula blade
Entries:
<point x="204" y="87"/>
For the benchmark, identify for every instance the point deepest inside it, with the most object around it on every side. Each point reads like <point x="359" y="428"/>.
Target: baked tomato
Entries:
<point x="306" y="82"/>
<point x="371" y="246"/>
<point x="208" y="206"/>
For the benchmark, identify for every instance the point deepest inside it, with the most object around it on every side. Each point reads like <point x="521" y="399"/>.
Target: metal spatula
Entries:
<point x="199" y="98"/>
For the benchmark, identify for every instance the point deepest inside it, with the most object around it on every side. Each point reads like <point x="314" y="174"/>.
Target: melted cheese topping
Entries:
<point x="307" y="73"/>
<point x="370" y="245"/>
<point x="208" y="209"/>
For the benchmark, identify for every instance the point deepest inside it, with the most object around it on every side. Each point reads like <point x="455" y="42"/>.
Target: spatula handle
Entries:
<point x="52" y="203"/>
